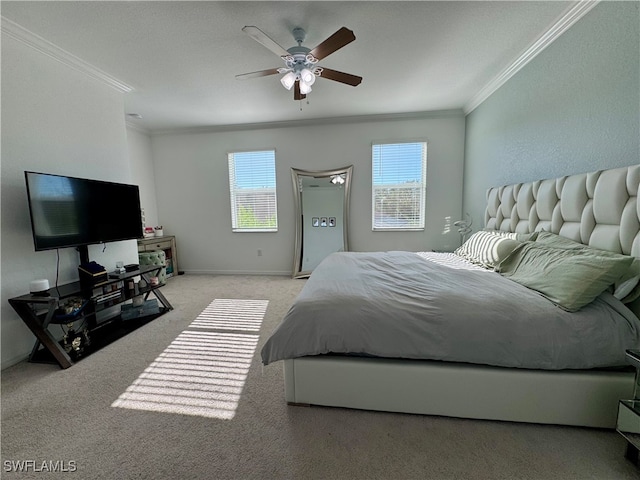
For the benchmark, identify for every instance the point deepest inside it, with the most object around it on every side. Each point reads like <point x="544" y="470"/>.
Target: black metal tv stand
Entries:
<point x="39" y="312"/>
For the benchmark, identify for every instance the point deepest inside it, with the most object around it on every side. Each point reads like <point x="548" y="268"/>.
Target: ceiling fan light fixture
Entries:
<point x="310" y="59"/>
<point x="307" y="76"/>
<point x="288" y="80"/>
<point x="304" y="88"/>
<point x="301" y="63"/>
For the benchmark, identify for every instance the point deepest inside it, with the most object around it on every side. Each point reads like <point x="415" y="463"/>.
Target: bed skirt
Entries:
<point x="568" y="397"/>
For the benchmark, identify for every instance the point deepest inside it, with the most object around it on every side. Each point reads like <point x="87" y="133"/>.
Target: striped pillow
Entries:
<point x="487" y="249"/>
<point x="521" y="237"/>
<point x="500" y="233"/>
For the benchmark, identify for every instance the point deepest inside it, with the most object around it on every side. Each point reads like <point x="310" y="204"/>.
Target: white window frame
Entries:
<point x="236" y="191"/>
<point x="376" y="186"/>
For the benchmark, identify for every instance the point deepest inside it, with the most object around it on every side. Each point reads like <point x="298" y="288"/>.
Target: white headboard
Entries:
<point x="600" y="209"/>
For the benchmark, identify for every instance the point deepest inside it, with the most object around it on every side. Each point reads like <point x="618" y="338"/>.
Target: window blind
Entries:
<point x="399" y="185"/>
<point x="252" y="186"/>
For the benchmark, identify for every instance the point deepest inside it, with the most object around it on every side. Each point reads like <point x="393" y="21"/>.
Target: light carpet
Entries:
<point x="50" y="415"/>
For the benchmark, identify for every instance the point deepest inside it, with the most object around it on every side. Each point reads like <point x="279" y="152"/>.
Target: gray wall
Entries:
<point x="143" y="173"/>
<point x="55" y="120"/>
<point x="192" y="183"/>
<point x="574" y="108"/>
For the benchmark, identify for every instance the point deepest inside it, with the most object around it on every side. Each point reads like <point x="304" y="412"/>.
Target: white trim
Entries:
<point x="234" y="191"/>
<point x="566" y="20"/>
<point x="137" y="128"/>
<point x="384" y="117"/>
<point x="38" y="43"/>
<point x="277" y="273"/>
<point x="422" y="187"/>
<point x="10" y="362"/>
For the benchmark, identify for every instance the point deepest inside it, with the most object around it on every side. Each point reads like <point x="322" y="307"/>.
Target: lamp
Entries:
<point x="304" y="87"/>
<point x="288" y="80"/>
<point x="307" y="76"/>
<point x="464" y="227"/>
<point x="300" y="67"/>
<point x="337" y="179"/>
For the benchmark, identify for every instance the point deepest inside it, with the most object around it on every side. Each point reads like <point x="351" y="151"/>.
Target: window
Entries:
<point x="399" y="185"/>
<point x="252" y="185"/>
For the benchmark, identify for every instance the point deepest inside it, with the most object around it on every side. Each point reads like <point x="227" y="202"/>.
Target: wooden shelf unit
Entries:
<point x="166" y="243"/>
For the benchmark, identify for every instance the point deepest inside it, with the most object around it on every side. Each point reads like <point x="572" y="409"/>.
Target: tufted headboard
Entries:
<point x="600" y="209"/>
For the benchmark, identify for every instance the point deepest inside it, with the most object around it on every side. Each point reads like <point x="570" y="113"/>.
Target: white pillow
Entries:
<point x="487" y="249"/>
<point x="625" y="288"/>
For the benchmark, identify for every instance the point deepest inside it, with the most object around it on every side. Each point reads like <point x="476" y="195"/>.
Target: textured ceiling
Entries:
<point x="181" y="58"/>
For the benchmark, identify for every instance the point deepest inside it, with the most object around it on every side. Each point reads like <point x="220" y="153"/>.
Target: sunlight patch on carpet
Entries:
<point x="224" y="314"/>
<point x="202" y="372"/>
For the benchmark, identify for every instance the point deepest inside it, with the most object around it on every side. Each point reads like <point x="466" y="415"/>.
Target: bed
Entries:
<point x="491" y="346"/>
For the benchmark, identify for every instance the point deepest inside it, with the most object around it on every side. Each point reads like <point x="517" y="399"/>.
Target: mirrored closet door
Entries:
<point x="322" y="216"/>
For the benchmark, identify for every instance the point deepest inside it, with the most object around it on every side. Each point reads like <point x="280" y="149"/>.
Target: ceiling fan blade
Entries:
<point x="341" y="77"/>
<point x="261" y="37"/>
<point x="336" y="41"/>
<point x="296" y="91"/>
<point x="261" y="73"/>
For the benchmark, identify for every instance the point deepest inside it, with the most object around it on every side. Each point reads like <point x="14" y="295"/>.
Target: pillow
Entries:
<point x="554" y="240"/>
<point x="570" y="278"/>
<point x="487" y="249"/>
<point x="626" y="289"/>
<point x="521" y="237"/>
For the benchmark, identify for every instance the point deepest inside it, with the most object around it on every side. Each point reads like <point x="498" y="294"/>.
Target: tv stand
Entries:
<point x="83" y="251"/>
<point x="39" y="312"/>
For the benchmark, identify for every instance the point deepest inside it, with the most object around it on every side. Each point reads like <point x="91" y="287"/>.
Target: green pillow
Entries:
<point x="553" y="240"/>
<point x="571" y="278"/>
<point x="625" y="289"/>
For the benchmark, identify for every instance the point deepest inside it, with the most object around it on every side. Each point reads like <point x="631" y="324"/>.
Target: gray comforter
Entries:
<point x="400" y="305"/>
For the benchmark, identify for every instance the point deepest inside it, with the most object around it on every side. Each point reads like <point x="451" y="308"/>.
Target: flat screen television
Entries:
<point x="75" y="212"/>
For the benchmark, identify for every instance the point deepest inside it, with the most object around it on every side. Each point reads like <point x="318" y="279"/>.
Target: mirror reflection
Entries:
<point x="322" y="216"/>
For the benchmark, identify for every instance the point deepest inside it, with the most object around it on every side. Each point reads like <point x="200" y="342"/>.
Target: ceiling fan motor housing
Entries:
<point x="299" y="35"/>
<point x="299" y="58"/>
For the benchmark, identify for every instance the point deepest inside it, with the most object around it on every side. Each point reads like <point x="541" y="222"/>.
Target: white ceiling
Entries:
<point x="180" y="58"/>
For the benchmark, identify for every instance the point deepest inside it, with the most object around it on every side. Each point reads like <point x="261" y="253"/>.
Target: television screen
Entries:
<point x="69" y="211"/>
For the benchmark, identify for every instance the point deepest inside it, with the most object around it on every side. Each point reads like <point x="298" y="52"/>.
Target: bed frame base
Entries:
<point x="579" y="398"/>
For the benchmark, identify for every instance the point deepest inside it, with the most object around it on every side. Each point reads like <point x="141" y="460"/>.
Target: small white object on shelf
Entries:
<point x="39" y="286"/>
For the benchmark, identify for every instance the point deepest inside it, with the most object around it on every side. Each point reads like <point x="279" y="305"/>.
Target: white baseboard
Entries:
<point x="14" y="360"/>
<point x="239" y="272"/>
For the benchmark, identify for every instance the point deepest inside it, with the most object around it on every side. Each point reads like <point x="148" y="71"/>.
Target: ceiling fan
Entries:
<point x="301" y="63"/>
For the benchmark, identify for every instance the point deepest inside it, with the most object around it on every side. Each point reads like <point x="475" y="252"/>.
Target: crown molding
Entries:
<point x="137" y="128"/>
<point x="561" y="25"/>
<point x="385" y="117"/>
<point x="47" y="48"/>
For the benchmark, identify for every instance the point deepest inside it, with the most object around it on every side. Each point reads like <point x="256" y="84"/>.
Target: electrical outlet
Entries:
<point x="259" y="252"/>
